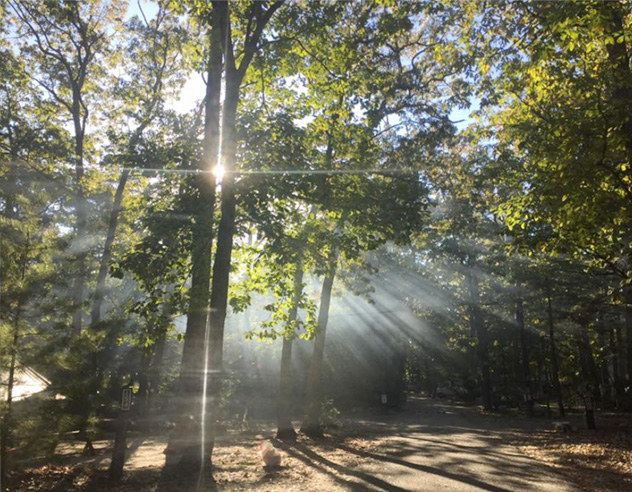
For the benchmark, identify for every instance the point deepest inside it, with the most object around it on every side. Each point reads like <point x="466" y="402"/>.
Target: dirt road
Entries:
<point x="435" y="446"/>
<point x="430" y="446"/>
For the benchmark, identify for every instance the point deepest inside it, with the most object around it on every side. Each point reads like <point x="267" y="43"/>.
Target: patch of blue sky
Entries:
<point x="141" y="8"/>
<point x="463" y="117"/>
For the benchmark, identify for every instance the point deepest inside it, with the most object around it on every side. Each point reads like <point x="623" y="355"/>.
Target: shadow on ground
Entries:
<point x="429" y="446"/>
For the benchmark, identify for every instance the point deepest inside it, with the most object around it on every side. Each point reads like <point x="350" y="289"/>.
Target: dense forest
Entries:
<point x="285" y="210"/>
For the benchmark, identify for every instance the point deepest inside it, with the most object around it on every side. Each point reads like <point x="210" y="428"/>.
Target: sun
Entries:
<point x="218" y="171"/>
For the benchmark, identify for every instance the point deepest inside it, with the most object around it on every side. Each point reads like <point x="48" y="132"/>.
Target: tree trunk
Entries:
<point x="628" y="334"/>
<point x="587" y="360"/>
<point x="616" y="345"/>
<point x="613" y="19"/>
<point x="120" y="448"/>
<point x="482" y="348"/>
<point x="142" y="397"/>
<point x="222" y="263"/>
<point x="5" y="430"/>
<point x="81" y="211"/>
<point x="118" y="199"/>
<point x="524" y="353"/>
<point x="285" y="429"/>
<point x="313" y="400"/>
<point x="604" y="373"/>
<point x="221" y="267"/>
<point x="80" y="261"/>
<point x="555" y="377"/>
<point x="157" y="365"/>
<point x="541" y="349"/>
<point x="226" y="231"/>
<point x="6" y="424"/>
<point x="186" y="440"/>
<point x="99" y="291"/>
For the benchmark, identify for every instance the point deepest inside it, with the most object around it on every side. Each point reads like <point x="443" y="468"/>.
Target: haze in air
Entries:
<point x="283" y="245"/>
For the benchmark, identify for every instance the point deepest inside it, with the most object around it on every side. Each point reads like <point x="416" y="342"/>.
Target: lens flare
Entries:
<point x="218" y="171"/>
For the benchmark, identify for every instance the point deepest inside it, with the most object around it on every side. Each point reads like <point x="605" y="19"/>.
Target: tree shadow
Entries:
<point x="172" y="480"/>
<point x="106" y="453"/>
<point x="443" y="440"/>
<point x="427" y="469"/>
<point x="320" y="463"/>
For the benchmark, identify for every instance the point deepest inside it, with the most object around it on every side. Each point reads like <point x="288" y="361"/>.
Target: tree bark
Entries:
<point x="142" y="397"/>
<point x="157" y="363"/>
<point x="313" y="400"/>
<point x="285" y="429"/>
<point x="223" y="255"/>
<point x="6" y="424"/>
<point x="628" y="334"/>
<point x="616" y="343"/>
<point x="613" y="20"/>
<point x="477" y="322"/>
<point x="81" y="212"/>
<point x="6" y="428"/>
<point x="555" y="377"/>
<point x="117" y="206"/>
<point x="99" y="291"/>
<point x="524" y="352"/>
<point x="589" y="368"/>
<point x="222" y="266"/>
<point x="539" y="365"/>
<point x="186" y="442"/>
<point x="604" y="373"/>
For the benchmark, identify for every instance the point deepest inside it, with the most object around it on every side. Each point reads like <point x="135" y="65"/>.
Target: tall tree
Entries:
<point x="67" y="44"/>
<point x="555" y="85"/>
<point x="191" y="445"/>
<point x="231" y="52"/>
<point x="251" y="20"/>
<point x="154" y="47"/>
<point x="26" y="232"/>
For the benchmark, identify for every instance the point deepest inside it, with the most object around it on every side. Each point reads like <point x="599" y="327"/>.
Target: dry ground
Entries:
<point x="599" y="461"/>
<point x="429" y="446"/>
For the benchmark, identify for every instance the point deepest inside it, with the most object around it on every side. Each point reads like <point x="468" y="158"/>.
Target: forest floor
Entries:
<point x="428" y="446"/>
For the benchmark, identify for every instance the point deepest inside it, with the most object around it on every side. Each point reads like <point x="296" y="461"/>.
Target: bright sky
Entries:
<point x="149" y="8"/>
<point x="194" y="89"/>
<point x="463" y="117"/>
<point x="192" y="93"/>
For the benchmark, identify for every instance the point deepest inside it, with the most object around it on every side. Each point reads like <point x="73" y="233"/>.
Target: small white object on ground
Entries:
<point x="269" y="454"/>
